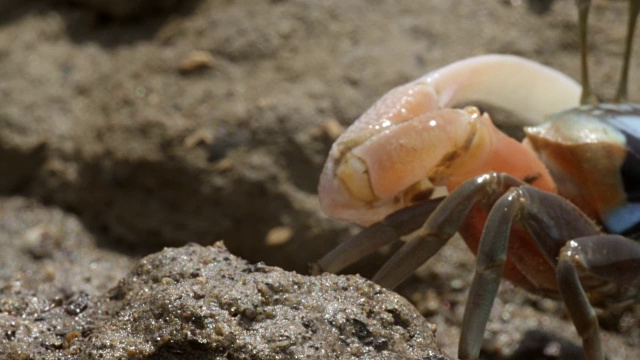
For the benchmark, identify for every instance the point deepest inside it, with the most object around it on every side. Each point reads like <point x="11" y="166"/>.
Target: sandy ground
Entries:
<point x="163" y="123"/>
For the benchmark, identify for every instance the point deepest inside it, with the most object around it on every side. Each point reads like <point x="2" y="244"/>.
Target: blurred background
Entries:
<point x="160" y="123"/>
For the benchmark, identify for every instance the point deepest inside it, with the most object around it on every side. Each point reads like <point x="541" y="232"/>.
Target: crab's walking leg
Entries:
<point x="491" y="257"/>
<point x="441" y="226"/>
<point x="550" y="221"/>
<point x="388" y="230"/>
<point x="610" y="257"/>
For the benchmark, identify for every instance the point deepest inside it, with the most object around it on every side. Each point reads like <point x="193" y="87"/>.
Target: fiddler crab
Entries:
<point x="557" y="213"/>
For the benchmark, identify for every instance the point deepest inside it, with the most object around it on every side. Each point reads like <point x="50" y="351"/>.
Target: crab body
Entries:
<point x="414" y="138"/>
<point x="557" y="213"/>
<point x="593" y="153"/>
<point x="533" y="211"/>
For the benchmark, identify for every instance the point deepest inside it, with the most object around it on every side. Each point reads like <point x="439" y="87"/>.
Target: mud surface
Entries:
<point x="161" y="123"/>
<point x="191" y="302"/>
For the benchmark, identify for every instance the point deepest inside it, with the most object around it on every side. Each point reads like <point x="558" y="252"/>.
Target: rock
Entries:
<point x="189" y="302"/>
<point x="199" y="300"/>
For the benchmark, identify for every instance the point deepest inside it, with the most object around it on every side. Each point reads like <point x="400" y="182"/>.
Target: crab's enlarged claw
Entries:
<point x="411" y="140"/>
<point x="516" y="84"/>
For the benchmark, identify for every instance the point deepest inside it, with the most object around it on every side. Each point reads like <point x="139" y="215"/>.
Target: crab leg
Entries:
<point x="390" y="229"/>
<point x="490" y="262"/>
<point x="595" y="257"/>
<point x="441" y="226"/>
<point x="545" y="217"/>
<point x="610" y="257"/>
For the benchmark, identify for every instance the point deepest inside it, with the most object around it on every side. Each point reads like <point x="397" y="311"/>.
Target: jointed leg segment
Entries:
<point x="548" y="225"/>
<point x="610" y="258"/>
<point x="443" y="223"/>
<point x="391" y="229"/>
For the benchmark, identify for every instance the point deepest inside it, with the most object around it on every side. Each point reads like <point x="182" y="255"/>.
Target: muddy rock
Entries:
<point x="203" y="301"/>
<point x="52" y="270"/>
<point x="189" y="302"/>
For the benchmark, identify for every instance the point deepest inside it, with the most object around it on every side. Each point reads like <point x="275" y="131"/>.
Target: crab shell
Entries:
<point x="593" y="154"/>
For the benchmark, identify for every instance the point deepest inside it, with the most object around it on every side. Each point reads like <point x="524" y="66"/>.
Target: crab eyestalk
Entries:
<point x="583" y="13"/>
<point x="634" y="9"/>
<point x="587" y="96"/>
